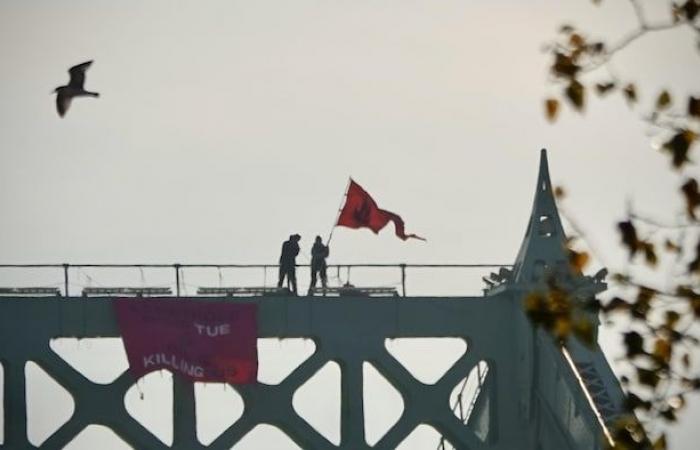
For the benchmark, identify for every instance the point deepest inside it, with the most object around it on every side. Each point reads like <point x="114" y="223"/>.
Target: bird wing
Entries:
<point x="77" y="74"/>
<point x="62" y="103"/>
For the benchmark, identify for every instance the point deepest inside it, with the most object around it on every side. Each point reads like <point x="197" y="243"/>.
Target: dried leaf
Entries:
<point x="648" y="377"/>
<point x="672" y="318"/>
<point x="649" y="253"/>
<point x="575" y="40"/>
<point x="630" y="92"/>
<point x="690" y="9"/>
<point x="678" y="146"/>
<point x="634" y="343"/>
<point x="642" y="304"/>
<point x="629" y="236"/>
<point x="694" y="107"/>
<point x="578" y="260"/>
<point x="686" y="292"/>
<point x="551" y="106"/>
<point x="596" y="47"/>
<point x="694" y="266"/>
<point x="662" y="350"/>
<point x="660" y="443"/>
<point x="536" y="308"/>
<point x="575" y="92"/>
<point x="663" y="101"/>
<point x="645" y="294"/>
<point x="668" y="414"/>
<point x="692" y="196"/>
<point x="695" y="305"/>
<point x="616" y="304"/>
<point x="633" y="402"/>
<point x="620" y="278"/>
<point x="566" y="29"/>
<point x="604" y="88"/>
<point x="562" y="327"/>
<point x="551" y="310"/>
<point x="559" y="193"/>
<point x="564" y="66"/>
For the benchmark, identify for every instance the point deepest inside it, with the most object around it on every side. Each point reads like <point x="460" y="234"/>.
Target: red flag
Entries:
<point x="198" y="340"/>
<point x="361" y="211"/>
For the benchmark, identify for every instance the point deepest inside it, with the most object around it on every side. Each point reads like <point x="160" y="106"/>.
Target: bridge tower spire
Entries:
<point x="544" y="257"/>
<point x="544" y="247"/>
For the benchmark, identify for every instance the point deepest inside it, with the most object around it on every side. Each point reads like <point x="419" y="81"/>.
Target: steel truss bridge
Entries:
<point x="536" y="394"/>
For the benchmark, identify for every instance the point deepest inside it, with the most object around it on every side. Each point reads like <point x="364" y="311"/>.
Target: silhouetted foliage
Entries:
<point x="660" y="346"/>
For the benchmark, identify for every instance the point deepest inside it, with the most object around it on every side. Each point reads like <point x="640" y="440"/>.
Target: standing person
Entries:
<point x="319" y="253"/>
<point x="288" y="264"/>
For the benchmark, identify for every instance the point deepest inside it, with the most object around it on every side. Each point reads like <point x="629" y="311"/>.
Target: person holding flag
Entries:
<point x="319" y="253"/>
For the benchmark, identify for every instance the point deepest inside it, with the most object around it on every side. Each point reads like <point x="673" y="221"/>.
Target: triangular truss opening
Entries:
<point x="322" y="414"/>
<point x="427" y="359"/>
<point x="43" y="390"/>
<point x="93" y="434"/>
<point x="277" y="358"/>
<point x="383" y="404"/>
<point x="217" y="407"/>
<point x="424" y="436"/>
<point x="150" y="402"/>
<point x="265" y="436"/>
<point x="100" y="360"/>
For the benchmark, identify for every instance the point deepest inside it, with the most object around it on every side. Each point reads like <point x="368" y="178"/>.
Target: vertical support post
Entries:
<point x="352" y="429"/>
<point x="184" y="414"/>
<point x="177" y="279"/>
<point x="15" y="406"/>
<point x="403" y="279"/>
<point x="65" y="280"/>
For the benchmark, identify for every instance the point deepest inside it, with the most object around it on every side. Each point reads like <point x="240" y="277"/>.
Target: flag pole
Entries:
<point x="340" y="209"/>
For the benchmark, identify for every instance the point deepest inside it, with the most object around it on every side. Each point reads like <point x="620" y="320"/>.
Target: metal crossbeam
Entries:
<point x="355" y="291"/>
<point x="33" y="291"/>
<point x="127" y="291"/>
<point x="231" y="291"/>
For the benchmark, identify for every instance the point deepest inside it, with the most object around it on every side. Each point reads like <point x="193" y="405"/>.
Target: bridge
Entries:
<point x="532" y="393"/>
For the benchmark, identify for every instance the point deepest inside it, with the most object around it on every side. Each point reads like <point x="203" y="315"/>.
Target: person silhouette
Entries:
<point x="290" y="250"/>
<point x="319" y="253"/>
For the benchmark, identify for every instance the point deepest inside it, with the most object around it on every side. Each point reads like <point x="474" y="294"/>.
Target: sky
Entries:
<point x="225" y="126"/>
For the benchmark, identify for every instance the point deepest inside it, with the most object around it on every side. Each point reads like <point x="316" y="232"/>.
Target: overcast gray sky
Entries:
<point x="223" y="127"/>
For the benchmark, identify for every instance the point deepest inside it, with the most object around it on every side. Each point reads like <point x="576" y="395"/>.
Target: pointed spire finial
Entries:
<point x="544" y="165"/>
<point x="544" y="246"/>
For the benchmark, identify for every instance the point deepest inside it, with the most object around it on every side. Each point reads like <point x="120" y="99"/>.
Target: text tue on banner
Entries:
<point x="198" y="340"/>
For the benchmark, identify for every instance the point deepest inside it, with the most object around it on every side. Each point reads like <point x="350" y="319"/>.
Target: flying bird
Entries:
<point x="74" y="88"/>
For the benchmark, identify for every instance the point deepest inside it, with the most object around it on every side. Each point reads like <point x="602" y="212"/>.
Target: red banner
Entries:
<point x="198" y="340"/>
<point x="361" y="211"/>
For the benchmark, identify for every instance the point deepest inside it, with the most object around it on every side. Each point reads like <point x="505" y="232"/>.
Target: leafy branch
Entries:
<point x="660" y="342"/>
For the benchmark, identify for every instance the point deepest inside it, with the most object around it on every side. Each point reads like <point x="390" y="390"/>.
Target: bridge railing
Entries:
<point x="71" y="279"/>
